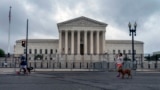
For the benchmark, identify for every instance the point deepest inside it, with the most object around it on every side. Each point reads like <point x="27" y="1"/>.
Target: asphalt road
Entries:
<point x="79" y="81"/>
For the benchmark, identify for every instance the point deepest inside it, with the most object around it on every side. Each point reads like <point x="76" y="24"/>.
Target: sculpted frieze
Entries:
<point x="82" y="23"/>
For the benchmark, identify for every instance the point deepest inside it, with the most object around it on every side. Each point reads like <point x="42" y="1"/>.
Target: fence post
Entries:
<point x="41" y="65"/>
<point x="80" y="65"/>
<point x="66" y="65"/>
<point x="142" y="61"/>
<point x="59" y="64"/>
<point x="149" y="61"/>
<point x="156" y="62"/>
<point x="29" y="64"/>
<point x="35" y="66"/>
<point x="53" y="65"/>
<point x="47" y="64"/>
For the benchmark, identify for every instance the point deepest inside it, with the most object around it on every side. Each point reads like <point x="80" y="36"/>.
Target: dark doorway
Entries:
<point x="81" y="49"/>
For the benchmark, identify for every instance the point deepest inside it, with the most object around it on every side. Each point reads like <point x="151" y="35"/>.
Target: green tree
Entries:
<point x="2" y="53"/>
<point x="126" y="59"/>
<point x="152" y="57"/>
<point x="38" y="56"/>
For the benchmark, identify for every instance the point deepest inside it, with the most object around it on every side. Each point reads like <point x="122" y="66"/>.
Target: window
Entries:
<point x="129" y="51"/>
<point x="40" y="51"/>
<point x="124" y="51"/>
<point x="119" y="51"/>
<point x="56" y="51"/>
<point x="114" y="51"/>
<point x="35" y="51"/>
<point x="45" y="51"/>
<point x="51" y="51"/>
<point x="30" y="51"/>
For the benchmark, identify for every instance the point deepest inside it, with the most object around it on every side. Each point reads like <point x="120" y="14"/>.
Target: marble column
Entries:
<point x="97" y="42"/>
<point x="72" y="42"/>
<point x="91" y="42"/>
<point x="66" y="42"/>
<point x="103" y="42"/>
<point x="60" y="42"/>
<point x="85" y="42"/>
<point x="78" y="42"/>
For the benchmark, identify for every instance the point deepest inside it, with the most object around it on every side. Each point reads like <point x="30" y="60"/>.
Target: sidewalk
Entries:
<point x="7" y="70"/>
<point x="13" y="70"/>
<point x="148" y="70"/>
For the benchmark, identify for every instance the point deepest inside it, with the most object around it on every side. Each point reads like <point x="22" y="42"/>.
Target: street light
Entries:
<point x="133" y="33"/>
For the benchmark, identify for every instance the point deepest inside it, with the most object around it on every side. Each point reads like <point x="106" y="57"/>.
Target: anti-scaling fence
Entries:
<point x="88" y="62"/>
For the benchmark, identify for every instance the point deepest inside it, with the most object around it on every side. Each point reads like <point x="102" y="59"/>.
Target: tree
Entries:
<point x="38" y="57"/>
<point x="153" y="57"/>
<point x="126" y="59"/>
<point x="2" y="53"/>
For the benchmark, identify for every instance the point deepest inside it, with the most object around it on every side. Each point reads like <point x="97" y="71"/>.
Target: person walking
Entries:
<point x="119" y="63"/>
<point x="23" y="64"/>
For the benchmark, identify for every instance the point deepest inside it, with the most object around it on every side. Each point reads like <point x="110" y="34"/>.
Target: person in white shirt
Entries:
<point x="119" y="63"/>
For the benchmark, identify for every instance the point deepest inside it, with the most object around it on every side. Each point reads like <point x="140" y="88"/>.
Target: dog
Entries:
<point x="125" y="71"/>
<point x="28" y="69"/>
<point x="25" y="72"/>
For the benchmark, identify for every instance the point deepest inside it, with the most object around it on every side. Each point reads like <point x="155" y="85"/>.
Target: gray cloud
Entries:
<point x="43" y="16"/>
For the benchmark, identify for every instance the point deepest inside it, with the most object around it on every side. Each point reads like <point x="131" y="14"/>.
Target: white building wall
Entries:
<point x="124" y="46"/>
<point x="109" y="47"/>
<point x="39" y="45"/>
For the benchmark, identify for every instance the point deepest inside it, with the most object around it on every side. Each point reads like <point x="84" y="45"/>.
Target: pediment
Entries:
<point x="82" y="21"/>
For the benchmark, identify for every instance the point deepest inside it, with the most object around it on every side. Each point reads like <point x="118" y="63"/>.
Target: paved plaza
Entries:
<point x="79" y="81"/>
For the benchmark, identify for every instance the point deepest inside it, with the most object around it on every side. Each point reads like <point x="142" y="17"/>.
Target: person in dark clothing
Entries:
<point x="23" y="64"/>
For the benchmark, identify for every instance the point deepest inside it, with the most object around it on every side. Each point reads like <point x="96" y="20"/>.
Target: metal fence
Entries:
<point x="88" y="62"/>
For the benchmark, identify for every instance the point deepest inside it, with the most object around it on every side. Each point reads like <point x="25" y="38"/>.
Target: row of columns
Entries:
<point x="85" y="42"/>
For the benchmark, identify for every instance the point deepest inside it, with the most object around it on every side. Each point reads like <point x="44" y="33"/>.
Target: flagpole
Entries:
<point x="9" y="31"/>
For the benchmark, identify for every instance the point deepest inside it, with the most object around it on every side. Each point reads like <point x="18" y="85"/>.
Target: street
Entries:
<point x="79" y="81"/>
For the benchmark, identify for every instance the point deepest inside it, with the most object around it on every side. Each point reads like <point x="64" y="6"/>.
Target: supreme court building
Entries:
<point x="82" y="36"/>
<point x="78" y="37"/>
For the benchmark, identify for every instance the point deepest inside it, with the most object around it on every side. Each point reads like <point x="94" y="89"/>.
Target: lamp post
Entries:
<point x="27" y="43"/>
<point x="133" y="33"/>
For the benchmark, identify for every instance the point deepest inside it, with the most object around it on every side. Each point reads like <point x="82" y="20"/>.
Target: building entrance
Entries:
<point x="82" y="49"/>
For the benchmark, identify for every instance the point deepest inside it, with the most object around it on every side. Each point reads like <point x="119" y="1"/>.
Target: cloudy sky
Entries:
<point x="44" y="15"/>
